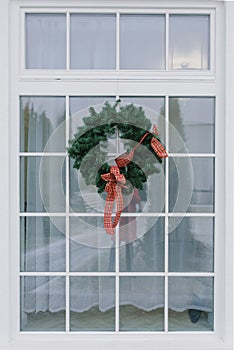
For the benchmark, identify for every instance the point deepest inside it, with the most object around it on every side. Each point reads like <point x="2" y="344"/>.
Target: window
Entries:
<point x="113" y="41"/>
<point x="163" y="274"/>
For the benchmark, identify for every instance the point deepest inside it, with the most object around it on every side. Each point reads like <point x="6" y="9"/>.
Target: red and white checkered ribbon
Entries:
<point x="158" y="148"/>
<point x="115" y="181"/>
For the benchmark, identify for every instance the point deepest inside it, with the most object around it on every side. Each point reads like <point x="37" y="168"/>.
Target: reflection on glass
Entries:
<point x="145" y="253"/>
<point x="42" y="120"/>
<point x="88" y="251"/>
<point x="42" y="244"/>
<point x="42" y="184"/>
<point x="43" y="304"/>
<point x="191" y="303"/>
<point x="192" y="124"/>
<point x="93" y="39"/>
<point x="45" y="41"/>
<point x="86" y="233"/>
<point x="142" y="41"/>
<point x="189" y="42"/>
<point x="191" y="244"/>
<point x="92" y="303"/>
<point x="192" y="192"/>
<point x="141" y="304"/>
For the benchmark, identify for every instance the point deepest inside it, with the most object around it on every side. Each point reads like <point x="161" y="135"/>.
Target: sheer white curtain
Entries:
<point x="43" y="240"/>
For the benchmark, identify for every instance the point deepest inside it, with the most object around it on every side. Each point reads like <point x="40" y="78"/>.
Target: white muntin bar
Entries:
<point x="121" y="274"/>
<point x="117" y="42"/>
<point x="167" y="41"/>
<point x="42" y="154"/>
<point x="166" y="215"/>
<point x="67" y="233"/>
<point x="67" y="41"/>
<point x="117" y="279"/>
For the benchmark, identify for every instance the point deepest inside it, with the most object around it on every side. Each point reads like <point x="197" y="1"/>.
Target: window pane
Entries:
<point x="145" y="253"/>
<point x="85" y="198"/>
<point x="45" y="41"/>
<point x="141" y="303"/>
<point x="191" y="185"/>
<point x="42" y="244"/>
<point x="43" y="304"/>
<point x="189" y="42"/>
<point x="93" y="41"/>
<point x="192" y="124"/>
<point x="92" y="305"/>
<point x="91" y="249"/>
<point x="142" y="42"/>
<point x="154" y="108"/>
<point x="191" y="244"/>
<point x="191" y="303"/>
<point x="42" y="182"/>
<point x="42" y="120"/>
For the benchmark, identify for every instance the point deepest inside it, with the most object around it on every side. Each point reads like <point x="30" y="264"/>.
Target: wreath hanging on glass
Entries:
<point x="88" y="148"/>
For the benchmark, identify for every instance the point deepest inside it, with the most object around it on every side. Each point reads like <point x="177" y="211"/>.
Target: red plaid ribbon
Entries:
<point x="158" y="148"/>
<point x="115" y="181"/>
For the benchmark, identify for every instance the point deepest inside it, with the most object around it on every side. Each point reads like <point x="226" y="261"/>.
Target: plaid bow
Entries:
<point x="115" y="181"/>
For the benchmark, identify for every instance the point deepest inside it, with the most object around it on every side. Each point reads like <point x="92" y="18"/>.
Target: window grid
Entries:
<point x="117" y="273"/>
<point x="118" y="13"/>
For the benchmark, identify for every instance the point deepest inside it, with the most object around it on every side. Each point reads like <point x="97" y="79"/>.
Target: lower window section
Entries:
<point x="109" y="303"/>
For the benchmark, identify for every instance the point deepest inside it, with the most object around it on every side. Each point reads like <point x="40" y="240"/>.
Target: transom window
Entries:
<point x="118" y="41"/>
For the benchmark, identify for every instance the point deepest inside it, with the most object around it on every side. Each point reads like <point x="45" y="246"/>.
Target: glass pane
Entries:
<point x="92" y="303"/>
<point x="45" y="41"/>
<point x="88" y="232"/>
<point x="42" y="244"/>
<point x="91" y="249"/>
<point x="142" y="41"/>
<point x="141" y="303"/>
<point x="191" y="244"/>
<point x="93" y="41"/>
<point x="42" y="304"/>
<point x="191" y="303"/>
<point x="85" y="198"/>
<point x="42" y="124"/>
<point x="42" y="182"/>
<point x="145" y="253"/>
<point x="192" y="126"/>
<point x="154" y="108"/>
<point x="79" y="108"/>
<point x="189" y="42"/>
<point x="191" y="185"/>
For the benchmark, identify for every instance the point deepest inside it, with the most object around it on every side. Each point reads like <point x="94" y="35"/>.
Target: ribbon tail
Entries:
<point x="108" y="225"/>
<point x="158" y="148"/>
<point x="107" y="214"/>
<point x="119" y="206"/>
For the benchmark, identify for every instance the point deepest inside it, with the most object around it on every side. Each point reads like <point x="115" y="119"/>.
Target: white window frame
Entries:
<point x="16" y="85"/>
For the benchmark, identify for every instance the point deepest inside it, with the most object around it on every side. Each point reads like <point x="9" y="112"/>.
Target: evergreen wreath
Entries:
<point x="88" y="148"/>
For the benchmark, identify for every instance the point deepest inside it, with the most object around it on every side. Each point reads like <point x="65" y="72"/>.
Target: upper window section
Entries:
<point x="118" y="41"/>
